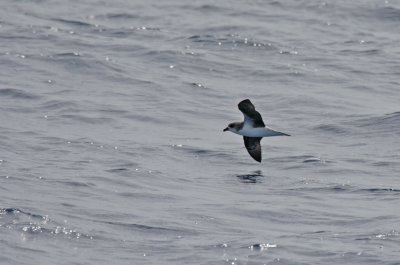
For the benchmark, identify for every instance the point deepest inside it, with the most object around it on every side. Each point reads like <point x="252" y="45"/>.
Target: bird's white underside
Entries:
<point x="249" y="131"/>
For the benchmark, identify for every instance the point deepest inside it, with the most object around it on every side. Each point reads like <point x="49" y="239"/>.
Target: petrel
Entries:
<point x="252" y="128"/>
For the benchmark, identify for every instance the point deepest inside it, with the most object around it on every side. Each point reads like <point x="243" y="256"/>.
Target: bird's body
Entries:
<point x="252" y="129"/>
<point x="249" y="131"/>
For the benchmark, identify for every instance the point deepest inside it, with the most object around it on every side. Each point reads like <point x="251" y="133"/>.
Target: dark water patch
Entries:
<point x="252" y="178"/>
<point x="41" y="229"/>
<point x="357" y="41"/>
<point x="120" y="32"/>
<point x="86" y="119"/>
<point x="148" y="196"/>
<point x="387" y="13"/>
<point x="203" y="38"/>
<point x="261" y="246"/>
<point x="331" y="128"/>
<point x="385" y="123"/>
<point x="356" y="160"/>
<point x="75" y="184"/>
<point x="379" y="191"/>
<point x="67" y="54"/>
<point x="204" y="8"/>
<point x="119" y="16"/>
<point x="349" y="189"/>
<point x="73" y="22"/>
<point x="35" y="224"/>
<point x="9" y="211"/>
<point x="75" y="62"/>
<point x="111" y="110"/>
<point x="155" y="119"/>
<point x="386" y="164"/>
<point x="203" y="153"/>
<point x="125" y="32"/>
<point x="361" y="52"/>
<point x="162" y="55"/>
<point x="146" y="228"/>
<point x="393" y="234"/>
<point x="16" y="37"/>
<point x="234" y="40"/>
<point x="362" y="88"/>
<point x="305" y="159"/>
<point x="125" y="171"/>
<point x="316" y="232"/>
<point x="197" y="84"/>
<point x="116" y="170"/>
<point x="68" y="205"/>
<point x="58" y="104"/>
<point x="329" y="188"/>
<point x="17" y="93"/>
<point x="87" y="63"/>
<point x="17" y="211"/>
<point x="313" y="160"/>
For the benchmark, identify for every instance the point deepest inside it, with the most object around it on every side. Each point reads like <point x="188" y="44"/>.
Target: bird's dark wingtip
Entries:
<point x="245" y="101"/>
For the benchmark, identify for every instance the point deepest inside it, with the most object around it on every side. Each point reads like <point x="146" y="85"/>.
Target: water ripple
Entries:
<point x="17" y="93"/>
<point x="35" y="224"/>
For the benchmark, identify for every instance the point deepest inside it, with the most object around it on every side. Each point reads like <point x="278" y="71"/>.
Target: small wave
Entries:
<point x="313" y="160"/>
<point x="67" y="54"/>
<point x="331" y="128"/>
<point x="262" y="246"/>
<point x="127" y="32"/>
<point x="77" y="184"/>
<point x="350" y="189"/>
<point x="73" y="22"/>
<point x="387" y="123"/>
<point x="17" y="93"/>
<point x="147" y="228"/>
<point x="199" y="152"/>
<point x="119" y="16"/>
<point x="16" y="211"/>
<point x="89" y="120"/>
<point x="113" y="170"/>
<point x="380" y="236"/>
<point x="35" y="224"/>
<point x="379" y="190"/>
<point x="58" y="104"/>
<point x="86" y="64"/>
<point x="208" y="7"/>
<point x="234" y="40"/>
<point x="387" y="13"/>
<point x="302" y="158"/>
<point x="361" y="52"/>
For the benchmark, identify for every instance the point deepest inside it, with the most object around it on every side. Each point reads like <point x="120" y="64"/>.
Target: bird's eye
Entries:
<point x="230" y="126"/>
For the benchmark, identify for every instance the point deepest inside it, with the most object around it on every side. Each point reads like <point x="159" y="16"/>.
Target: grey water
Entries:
<point x="111" y="142"/>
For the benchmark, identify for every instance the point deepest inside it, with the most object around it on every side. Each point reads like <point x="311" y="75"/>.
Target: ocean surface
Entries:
<point x="111" y="142"/>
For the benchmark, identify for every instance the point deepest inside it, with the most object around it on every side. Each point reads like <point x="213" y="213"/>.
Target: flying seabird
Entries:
<point x="252" y="128"/>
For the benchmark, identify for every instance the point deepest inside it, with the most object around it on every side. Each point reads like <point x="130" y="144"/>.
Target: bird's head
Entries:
<point x="231" y="127"/>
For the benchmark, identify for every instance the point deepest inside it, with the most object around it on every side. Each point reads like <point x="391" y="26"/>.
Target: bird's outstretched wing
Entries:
<point x="250" y="114"/>
<point x="253" y="146"/>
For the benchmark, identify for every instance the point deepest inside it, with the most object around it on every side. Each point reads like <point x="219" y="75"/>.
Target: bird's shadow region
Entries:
<point x="251" y="178"/>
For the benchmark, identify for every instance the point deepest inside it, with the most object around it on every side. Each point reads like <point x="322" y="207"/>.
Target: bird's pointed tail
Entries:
<point x="281" y="134"/>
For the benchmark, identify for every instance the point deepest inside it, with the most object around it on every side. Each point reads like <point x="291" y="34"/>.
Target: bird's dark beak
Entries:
<point x="226" y="129"/>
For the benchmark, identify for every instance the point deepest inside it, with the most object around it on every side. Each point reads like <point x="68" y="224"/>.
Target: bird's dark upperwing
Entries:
<point x="253" y="146"/>
<point x="250" y="113"/>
